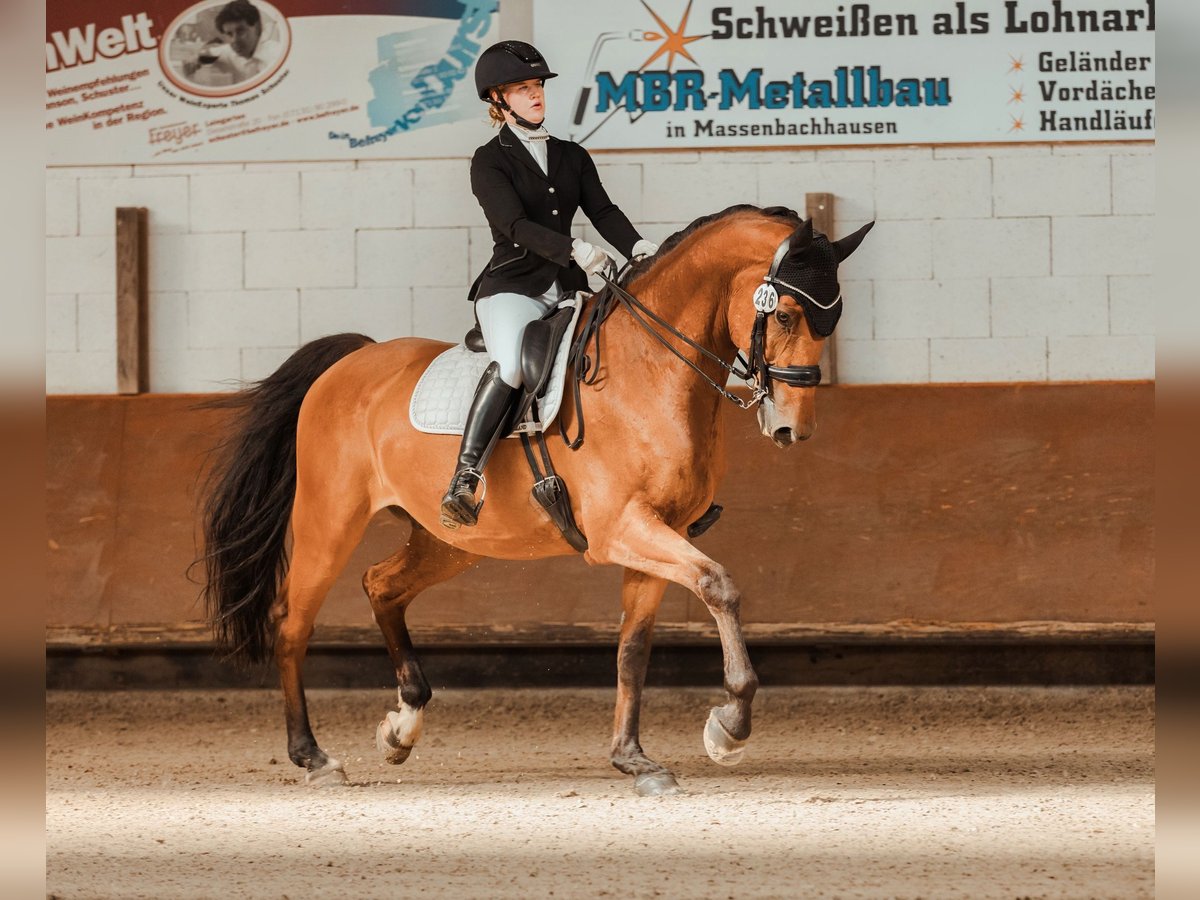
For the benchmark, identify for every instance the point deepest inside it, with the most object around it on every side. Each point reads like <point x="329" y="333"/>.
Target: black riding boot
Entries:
<point x="489" y="411"/>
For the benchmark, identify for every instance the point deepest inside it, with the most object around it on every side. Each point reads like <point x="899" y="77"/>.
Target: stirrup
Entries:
<point x="453" y="498"/>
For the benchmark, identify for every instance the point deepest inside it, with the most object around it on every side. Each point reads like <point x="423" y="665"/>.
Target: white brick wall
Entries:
<point x="919" y="309"/>
<point x="1131" y="304"/>
<point x="168" y="323"/>
<point x="1027" y="307"/>
<point x="933" y="189"/>
<point x="382" y="313"/>
<point x="259" y="201"/>
<point x="442" y="194"/>
<point x="197" y="262"/>
<point x="1101" y="357"/>
<point x="62" y="207"/>
<point x="681" y="192"/>
<point x="61" y="318"/>
<point x="785" y="183"/>
<point x="376" y="198"/>
<point x="413" y="256"/>
<point x="1103" y="245"/>
<point x="244" y="319"/>
<point x="299" y="259"/>
<point x="97" y="322"/>
<point x="1052" y="185"/>
<point x="1133" y="185"/>
<point x="986" y="263"/>
<point x="166" y="200"/>
<point x="987" y="359"/>
<point x="883" y="362"/>
<point x="78" y="264"/>
<point x="964" y="248"/>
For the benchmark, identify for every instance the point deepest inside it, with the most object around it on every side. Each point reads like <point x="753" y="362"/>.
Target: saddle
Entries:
<point x="539" y="348"/>
<point x="442" y="397"/>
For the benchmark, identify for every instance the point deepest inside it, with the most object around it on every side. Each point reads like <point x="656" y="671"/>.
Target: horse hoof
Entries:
<point x="385" y="741"/>
<point x="723" y="748"/>
<point x="656" y="784"/>
<point x="329" y="775"/>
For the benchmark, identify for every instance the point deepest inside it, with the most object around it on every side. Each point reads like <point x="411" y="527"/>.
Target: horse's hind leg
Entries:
<point x="326" y="528"/>
<point x="640" y="597"/>
<point x="391" y="585"/>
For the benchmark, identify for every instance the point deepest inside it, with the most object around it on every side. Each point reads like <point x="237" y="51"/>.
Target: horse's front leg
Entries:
<point x="646" y="544"/>
<point x="640" y="597"/>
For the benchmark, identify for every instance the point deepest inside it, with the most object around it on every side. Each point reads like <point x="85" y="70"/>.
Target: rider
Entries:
<point x="529" y="184"/>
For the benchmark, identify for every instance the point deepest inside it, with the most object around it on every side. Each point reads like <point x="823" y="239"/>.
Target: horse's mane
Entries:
<point x="644" y="265"/>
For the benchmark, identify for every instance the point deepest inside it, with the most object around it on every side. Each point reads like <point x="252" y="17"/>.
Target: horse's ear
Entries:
<point x="801" y="238"/>
<point x="850" y="242"/>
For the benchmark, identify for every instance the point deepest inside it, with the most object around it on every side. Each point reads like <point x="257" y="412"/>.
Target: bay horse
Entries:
<point x="325" y="442"/>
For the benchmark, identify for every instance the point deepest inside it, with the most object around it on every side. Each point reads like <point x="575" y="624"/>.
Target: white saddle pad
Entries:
<point x="444" y="392"/>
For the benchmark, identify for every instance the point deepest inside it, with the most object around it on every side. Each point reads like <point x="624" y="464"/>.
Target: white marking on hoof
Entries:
<point x="406" y="724"/>
<point x="398" y="732"/>
<point x="329" y="775"/>
<point x="723" y="748"/>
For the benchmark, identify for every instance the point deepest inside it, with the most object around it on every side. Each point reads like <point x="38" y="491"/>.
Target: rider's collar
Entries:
<point x="526" y="134"/>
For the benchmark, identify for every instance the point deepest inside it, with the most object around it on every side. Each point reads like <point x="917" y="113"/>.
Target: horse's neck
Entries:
<point x="642" y="381"/>
<point x="692" y="300"/>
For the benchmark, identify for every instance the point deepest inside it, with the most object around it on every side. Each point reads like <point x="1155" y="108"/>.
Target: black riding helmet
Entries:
<point x="506" y="62"/>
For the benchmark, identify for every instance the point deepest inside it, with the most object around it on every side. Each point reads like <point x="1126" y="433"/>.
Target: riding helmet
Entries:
<point x="506" y="62"/>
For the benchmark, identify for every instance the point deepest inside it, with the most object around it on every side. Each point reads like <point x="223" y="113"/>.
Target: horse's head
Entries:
<point x="796" y="305"/>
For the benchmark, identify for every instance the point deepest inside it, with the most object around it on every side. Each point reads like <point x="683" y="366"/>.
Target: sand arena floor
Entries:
<point x="846" y="792"/>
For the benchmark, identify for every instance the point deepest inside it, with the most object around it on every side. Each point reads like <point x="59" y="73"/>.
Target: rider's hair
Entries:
<point x="495" y="114"/>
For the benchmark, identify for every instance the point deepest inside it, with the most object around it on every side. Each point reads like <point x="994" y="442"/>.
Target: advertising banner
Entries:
<point x="139" y="81"/>
<point x="714" y="73"/>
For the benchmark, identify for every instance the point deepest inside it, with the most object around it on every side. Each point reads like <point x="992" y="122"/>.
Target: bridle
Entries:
<point x="755" y="370"/>
<point x="766" y="301"/>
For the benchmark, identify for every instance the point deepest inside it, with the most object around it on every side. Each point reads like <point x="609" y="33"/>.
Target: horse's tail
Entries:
<point x="248" y="498"/>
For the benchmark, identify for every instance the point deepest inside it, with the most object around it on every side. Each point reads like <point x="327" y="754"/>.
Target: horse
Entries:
<point x="325" y="442"/>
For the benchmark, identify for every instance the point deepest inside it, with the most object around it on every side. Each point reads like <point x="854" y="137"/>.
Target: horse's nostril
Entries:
<point x="784" y="436"/>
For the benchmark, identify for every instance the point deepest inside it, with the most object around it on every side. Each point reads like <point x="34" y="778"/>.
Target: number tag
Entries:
<point x="766" y="298"/>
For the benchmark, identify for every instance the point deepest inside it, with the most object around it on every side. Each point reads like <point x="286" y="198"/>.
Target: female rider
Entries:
<point x="529" y="184"/>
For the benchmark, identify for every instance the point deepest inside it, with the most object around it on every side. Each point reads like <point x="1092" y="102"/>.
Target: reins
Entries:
<point x="585" y="370"/>
<point x="756" y="370"/>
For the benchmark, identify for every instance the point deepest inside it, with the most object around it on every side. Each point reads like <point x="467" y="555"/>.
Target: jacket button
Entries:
<point x="554" y="212"/>
<point x="516" y="245"/>
<point x="552" y="190"/>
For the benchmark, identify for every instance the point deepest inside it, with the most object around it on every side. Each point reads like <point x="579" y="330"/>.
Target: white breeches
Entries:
<point x="502" y="319"/>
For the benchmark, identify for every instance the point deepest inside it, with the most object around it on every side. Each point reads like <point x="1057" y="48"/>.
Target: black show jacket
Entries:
<point x="530" y="213"/>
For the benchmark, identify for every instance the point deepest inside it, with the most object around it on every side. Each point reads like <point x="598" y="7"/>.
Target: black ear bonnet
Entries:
<point x="809" y="277"/>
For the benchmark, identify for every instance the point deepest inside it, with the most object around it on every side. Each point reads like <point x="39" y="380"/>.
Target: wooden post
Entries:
<point x="133" y="370"/>
<point x="819" y="208"/>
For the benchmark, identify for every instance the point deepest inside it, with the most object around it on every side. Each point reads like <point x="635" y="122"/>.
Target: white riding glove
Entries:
<point x="590" y="258"/>
<point x="644" y="248"/>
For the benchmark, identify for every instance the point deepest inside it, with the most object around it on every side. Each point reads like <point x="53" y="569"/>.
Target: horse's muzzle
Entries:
<point x="781" y="431"/>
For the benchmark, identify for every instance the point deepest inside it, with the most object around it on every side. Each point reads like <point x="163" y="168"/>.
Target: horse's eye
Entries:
<point x="784" y="318"/>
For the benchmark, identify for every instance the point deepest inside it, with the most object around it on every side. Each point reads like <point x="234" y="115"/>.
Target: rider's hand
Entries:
<point x="590" y="258"/>
<point x="643" y="248"/>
